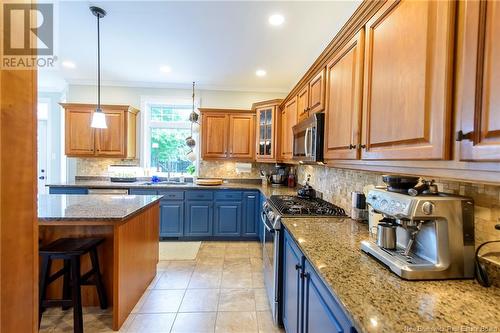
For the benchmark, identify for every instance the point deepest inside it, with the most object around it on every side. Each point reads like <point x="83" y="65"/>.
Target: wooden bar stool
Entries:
<point x="70" y="250"/>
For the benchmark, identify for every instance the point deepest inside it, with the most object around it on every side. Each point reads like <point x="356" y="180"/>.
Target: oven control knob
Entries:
<point x="427" y="208"/>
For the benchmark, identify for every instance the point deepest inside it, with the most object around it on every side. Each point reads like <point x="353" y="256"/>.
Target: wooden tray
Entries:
<point x="209" y="182"/>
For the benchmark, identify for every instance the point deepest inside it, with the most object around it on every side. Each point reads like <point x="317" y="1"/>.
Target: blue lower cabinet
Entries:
<point x="251" y="214"/>
<point x="293" y="263"/>
<point x="171" y="218"/>
<point x="199" y="218"/>
<point x="308" y="305"/>
<point x="68" y="190"/>
<point x="227" y="218"/>
<point x="141" y="191"/>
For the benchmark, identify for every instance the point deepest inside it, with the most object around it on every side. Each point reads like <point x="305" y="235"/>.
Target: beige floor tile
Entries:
<point x="127" y="322"/>
<point x="92" y="323"/>
<point x="158" y="276"/>
<point x="161" y="301"/>
<point x="205" y="279"/>
<point x="237" y="265"/>
<point x="213" y="244"/>
<point x="261" y="300"/>
<point x="256" y="264"/>
<point x="210" y="263"/>
<point x="258" y="280"/>
<point x="141" y="301"/>
<point x="266" y="324"/>
<point x="152" y="323"/>
<point x="237" y="245"/>
<point x="200" y="300"/>
<point x="237" y="300"/>
<point x="181" y="266"/>
<point x="236" y="322"/>
<point x="237" y="252"/>
<point x="194" y="322"/>
<point x="211" y="252"/>
<point x="162" y="265"/>
<point x="174" y="280"/>
<point x="255" y="252"/>
<point x="232" y="280"/>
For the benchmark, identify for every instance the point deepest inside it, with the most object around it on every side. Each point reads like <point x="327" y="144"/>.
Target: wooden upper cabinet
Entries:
<point x="241" y="140"/>
<point x="303" y="104"/>
<point x="267" y="130"/>
<point x="478" y="131"/>
<point x="111" y="141"/>
<point x="118" y="140"/>
<point x="344" y="101"/>
<point x="214" y="135"/>
<point x="288" y="120"/>
<point x="227" y="134"/>
<point x="408" y="81"/>
<point x="80" y="136"/>
<point x="317" y="93"/>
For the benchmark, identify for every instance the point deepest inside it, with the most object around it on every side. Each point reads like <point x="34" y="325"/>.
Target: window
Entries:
<point x="166" y="128"/>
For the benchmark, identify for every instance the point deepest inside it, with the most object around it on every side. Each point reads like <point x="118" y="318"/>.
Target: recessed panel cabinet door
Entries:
<point x="228" y="218"/>
<point x="79" y="134"/>
<point x="408" y="81"/>
<point x="479" y="128"/>
<point x="289" y="119"/>
<point x="242" y="137"/>
<point x="344" y="101"/>
<point x="303" y="104"/>
<point x="317" y="93"/>
<point x="110" y="141"/>
<point x="199" y="218"/>
<point x="214" y="135"/>
<point x="171" y="218"/>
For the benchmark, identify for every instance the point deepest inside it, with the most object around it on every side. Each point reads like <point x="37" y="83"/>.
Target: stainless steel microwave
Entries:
<point x="308" y="139"/>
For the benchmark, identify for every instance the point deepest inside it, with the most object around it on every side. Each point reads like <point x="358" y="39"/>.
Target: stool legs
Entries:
<point x="77" y="296"/>
<point x="66" y="282"/>
<point x="98" y="280"/>
<point x="45" y="273"/>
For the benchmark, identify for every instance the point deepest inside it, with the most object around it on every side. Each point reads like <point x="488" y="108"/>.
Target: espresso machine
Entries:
<point x="423" y="237"/>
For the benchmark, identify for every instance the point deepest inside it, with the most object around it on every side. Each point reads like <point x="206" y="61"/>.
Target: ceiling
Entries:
<point x="220" y="45"/>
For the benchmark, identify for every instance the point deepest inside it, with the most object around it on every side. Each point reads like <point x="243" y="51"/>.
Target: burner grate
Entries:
<point x="293" y="205"/>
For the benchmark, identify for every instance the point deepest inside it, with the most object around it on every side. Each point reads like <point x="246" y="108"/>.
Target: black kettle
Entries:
<point x="306" y="191"/>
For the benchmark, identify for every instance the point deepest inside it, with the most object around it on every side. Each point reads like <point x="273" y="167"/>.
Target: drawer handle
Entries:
<point x="251" y="197"/>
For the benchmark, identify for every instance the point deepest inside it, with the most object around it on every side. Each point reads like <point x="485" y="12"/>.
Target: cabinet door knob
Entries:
<point x="351" y="146"/>
<point x="297" y="266"/>
<point x="463" y="136"/>
<point x="304" y="275"/>
<point x="360" y="146"/>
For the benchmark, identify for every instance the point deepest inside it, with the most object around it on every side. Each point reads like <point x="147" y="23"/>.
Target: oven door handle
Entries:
<point x="263" y="218"/>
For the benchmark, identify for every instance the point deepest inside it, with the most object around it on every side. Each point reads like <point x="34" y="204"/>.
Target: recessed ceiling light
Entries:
<point x="260" y="72"/>
<point x="165" y="69"/>
<point x="68" y="64"/>
<point x="276" y="19"/>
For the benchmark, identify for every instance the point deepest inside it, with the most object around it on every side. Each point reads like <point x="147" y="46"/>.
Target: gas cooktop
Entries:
<point x="288" y="205"/>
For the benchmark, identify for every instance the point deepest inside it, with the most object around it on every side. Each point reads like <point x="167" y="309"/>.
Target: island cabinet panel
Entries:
<point x="199" y="218"/>
<point x="293" y="262"/>
<point x="241" y="138"/>
<point x="214" y="135"/>
<point x="344" y="101"/>
<point x="308" y="305"/>
<point x="288" y="120"/>
<point x="303" y="104"/>
<point x="118" y="140"/>
<point x="317" y="93"/>
<point x="408" y="81"/>
<point x="479" y="119"/>
<point x="251" y="214"/>
<point x="228" y="218"/>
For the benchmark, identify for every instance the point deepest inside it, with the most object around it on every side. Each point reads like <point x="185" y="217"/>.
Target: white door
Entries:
<point x="42" y="148"/>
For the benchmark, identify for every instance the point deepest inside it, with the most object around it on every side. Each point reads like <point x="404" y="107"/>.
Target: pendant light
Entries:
<point x="98" y="117"/>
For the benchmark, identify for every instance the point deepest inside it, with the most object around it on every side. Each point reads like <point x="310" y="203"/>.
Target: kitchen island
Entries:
<point x="129" y="254"/>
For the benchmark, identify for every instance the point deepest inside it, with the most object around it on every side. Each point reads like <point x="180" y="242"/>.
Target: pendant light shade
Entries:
<point x="98" y="117"/>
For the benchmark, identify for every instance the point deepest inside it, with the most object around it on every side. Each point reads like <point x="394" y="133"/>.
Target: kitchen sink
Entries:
<point x="165" y="182"/>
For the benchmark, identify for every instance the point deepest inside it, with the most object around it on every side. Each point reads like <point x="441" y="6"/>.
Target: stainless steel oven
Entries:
<point x="308" y="139"/>
<point x="271" y="258"/>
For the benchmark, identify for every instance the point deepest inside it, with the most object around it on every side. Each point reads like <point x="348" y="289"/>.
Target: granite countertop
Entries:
<point x="378" y="300"/>
<point x="266" y="190"/>
<point x="92" y="207"/>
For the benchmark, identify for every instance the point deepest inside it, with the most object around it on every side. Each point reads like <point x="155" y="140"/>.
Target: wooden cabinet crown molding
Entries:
<point x="206" y="110"/>
<point x="105" y="107"/>
<point x="263" y="104"/>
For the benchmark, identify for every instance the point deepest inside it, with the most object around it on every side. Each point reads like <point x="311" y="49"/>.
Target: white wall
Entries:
<point x="132" y="96"/>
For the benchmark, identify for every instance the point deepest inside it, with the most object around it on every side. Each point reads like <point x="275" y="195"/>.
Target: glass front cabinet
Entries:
<point x="267" y="131"/>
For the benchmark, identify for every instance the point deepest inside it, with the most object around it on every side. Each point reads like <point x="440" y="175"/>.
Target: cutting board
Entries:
<point x="209" y="182"/>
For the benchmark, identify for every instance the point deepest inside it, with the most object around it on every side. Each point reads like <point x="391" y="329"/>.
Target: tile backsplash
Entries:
<point x="99" y="166"/>
<point x="337" y="185"/>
